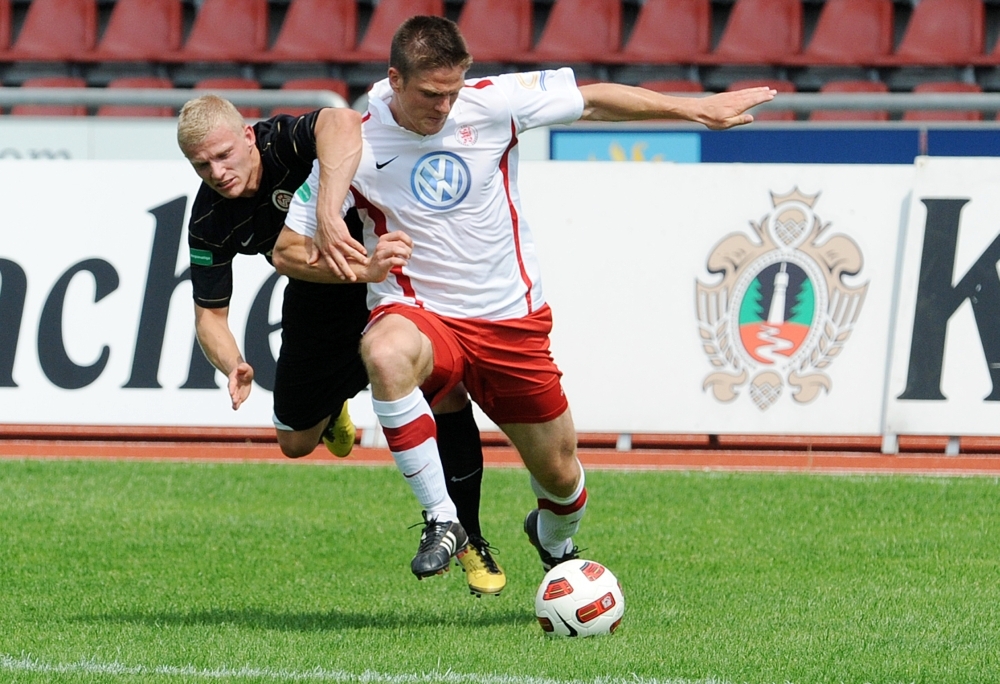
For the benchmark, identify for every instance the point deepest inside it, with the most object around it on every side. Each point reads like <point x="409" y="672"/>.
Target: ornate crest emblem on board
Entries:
<point x="781" y="313"/>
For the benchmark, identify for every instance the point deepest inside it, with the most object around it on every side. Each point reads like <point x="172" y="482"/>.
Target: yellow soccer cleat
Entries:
<point x="482" y="572"/>
<point x="339" y="434"/>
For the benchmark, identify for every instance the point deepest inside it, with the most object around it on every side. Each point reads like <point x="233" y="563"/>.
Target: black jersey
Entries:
<point x="221" y="228"/>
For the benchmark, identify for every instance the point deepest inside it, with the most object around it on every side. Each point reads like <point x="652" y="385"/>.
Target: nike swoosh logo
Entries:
<point x="569" y="627"/>
<point x="386" y="163"/>
<point x="409" y="475"/>
<point x="247" y="242"/>
<point x="460" y="479"/>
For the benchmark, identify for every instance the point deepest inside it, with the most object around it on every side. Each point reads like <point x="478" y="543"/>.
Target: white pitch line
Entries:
<point x="27" y="663"/>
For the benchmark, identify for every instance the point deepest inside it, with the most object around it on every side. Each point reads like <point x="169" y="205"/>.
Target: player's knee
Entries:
<point x="383" y="358"/>
<point x="293" y="447"/>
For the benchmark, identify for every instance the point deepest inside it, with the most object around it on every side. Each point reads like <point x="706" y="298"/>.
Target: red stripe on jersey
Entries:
<point x="378" y="216"/>
<point x="411" y="435"/>
<point x="564" y="509"/>
<point x="505" y="170"/>
<point x="367" y="116"/>
<point x="479" y="85"/>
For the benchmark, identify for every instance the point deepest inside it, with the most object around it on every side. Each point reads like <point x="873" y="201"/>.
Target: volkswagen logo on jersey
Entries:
<point x="440" y="180"/>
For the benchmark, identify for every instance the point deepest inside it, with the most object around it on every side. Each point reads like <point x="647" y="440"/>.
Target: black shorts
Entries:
<point x="319" y="366"/>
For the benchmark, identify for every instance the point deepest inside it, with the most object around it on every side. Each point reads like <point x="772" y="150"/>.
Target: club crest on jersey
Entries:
<point x="467" y="135"/>
<point x="282" y="199"/>
<point x="440" y="180"/>
<point x="782" y="312"/>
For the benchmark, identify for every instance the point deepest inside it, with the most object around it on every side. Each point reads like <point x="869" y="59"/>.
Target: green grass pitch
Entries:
<point x="115" y="571"/>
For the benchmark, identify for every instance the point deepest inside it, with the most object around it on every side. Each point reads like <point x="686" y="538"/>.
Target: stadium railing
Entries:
<point x="175" y="97"/>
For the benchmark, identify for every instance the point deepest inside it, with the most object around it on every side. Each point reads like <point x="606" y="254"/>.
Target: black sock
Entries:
<point x="462" y="459"/>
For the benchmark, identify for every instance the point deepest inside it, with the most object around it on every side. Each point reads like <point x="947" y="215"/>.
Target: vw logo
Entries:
<point x="440" y="180"/>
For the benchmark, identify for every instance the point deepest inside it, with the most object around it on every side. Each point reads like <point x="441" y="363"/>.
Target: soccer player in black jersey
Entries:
<point x="249" y="174"/>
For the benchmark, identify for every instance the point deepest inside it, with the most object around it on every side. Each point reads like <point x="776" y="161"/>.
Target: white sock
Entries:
<point x="411" y="433"/>
<point x="559" y="517"/>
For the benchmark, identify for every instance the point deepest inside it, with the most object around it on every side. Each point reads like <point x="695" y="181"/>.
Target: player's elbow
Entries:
<point x="282" y="264"/>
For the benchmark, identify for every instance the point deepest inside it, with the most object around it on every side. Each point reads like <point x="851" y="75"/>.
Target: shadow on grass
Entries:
<point x="330" y="621"/>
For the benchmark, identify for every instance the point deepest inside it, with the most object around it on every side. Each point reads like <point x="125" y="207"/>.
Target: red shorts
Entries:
<point x="506" y="365"/>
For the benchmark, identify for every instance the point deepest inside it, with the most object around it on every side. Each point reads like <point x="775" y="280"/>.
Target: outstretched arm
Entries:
<point x="338" y="149"/>
<point x="616" y="102"/>
<point x="219" y="345"/>
<point x="291" y="258"/>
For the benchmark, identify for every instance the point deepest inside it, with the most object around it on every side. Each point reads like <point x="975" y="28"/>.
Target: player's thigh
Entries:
<point x="549" y="451"/>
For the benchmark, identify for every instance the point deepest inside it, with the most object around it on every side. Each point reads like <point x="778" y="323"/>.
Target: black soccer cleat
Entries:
<point x="548" y="560"/>
<point x="438" y="543"/>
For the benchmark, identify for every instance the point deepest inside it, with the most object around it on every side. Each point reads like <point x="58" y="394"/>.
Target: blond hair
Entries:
<point x="202" y="115"/>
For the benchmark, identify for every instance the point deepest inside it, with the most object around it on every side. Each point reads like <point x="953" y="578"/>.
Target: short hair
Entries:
<point x="425" y="43"/>
<point x="202" y="115"/>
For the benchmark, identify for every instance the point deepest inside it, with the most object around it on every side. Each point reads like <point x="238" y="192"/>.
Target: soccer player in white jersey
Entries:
<point x="439" y="163"/>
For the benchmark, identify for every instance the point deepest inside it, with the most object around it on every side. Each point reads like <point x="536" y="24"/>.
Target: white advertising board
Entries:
<point x="96" y="324"/>
<point x="707" y="298"/>
<point x="945" y="376"/>
<point x="789" y="333"/>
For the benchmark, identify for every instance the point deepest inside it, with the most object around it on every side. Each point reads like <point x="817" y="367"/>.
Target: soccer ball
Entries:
<point x="579" y="598"/>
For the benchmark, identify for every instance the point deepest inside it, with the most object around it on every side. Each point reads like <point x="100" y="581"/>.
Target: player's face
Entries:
<point x="228" y="161"/>
<point x="421" y="103"/>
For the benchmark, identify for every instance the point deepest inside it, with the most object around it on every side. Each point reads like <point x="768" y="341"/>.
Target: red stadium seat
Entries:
<point x="51" y="110"/>
<point x="669" y="31"/>
<point x="851" y="115"/>
<point x="335" y="85"/>
<point x="580" y="31"/>
<point x="141" y="30"/>
<point x="760" y="32"/>
<point x="316" y="30"/>
<point x="227" y="31"/>
<point x="56" y="31"/>
<point x="137" y="110"/>
<point x="851" y="32"/>
<point x="222" y="84"/>
<point x="944" y="114"/>
<point x="497" y="30"/>
<point x="385" y="19"/>
<point x="943" y="32"/>
<point x="5" y="24"/>
<point x="779" y="85"/>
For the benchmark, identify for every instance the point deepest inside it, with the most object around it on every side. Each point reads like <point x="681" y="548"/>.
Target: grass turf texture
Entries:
<point x="288" y="570"/>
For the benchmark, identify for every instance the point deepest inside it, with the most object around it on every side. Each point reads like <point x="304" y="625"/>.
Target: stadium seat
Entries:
<point x="944" y="114"/>
<point x="335" y="85"/>
<point x="779" y="85"/>
<point x="5" y="24"/>
<point x="497" y="30"/>
<point x="315" y="30"/>
<point x="849" y="114"/>
<point x="137" y="110"/>
<point x="942" y="32"/>
<point x="680" y="85"/>
<point x="56" y="31"/>
<point x="385" y="19"/>
<point x="760" y="32"/>
<point x="580" y="31"/>
<point x="669" y="31"/>
<point x="141" y="30"/>
<point x="227" y="31"/>
<point x="51" y="110"/>
<point x="232" y="83"/>
<point x="850" y="32"/>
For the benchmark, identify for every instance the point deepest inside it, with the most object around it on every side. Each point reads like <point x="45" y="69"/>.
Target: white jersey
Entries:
<point x="455" y="193"/>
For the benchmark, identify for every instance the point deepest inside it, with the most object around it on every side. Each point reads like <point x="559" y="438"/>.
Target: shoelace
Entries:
<point x="484" y="549"/>
<point x="432" y="534"/>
